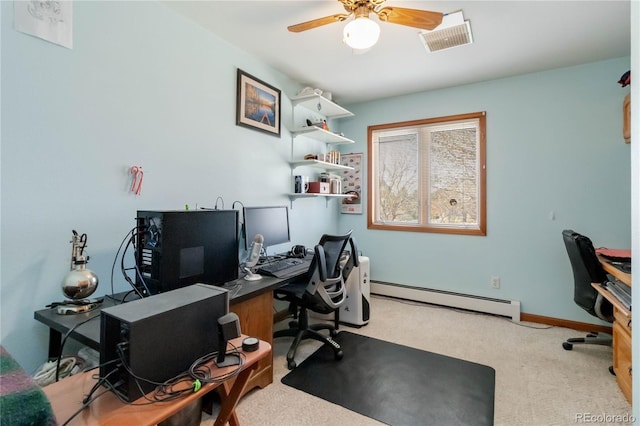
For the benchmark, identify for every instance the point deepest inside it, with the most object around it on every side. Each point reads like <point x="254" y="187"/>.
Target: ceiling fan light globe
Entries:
<point x="361" y="33"/>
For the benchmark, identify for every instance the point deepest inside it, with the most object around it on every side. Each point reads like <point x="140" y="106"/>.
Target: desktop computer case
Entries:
<point x="162" y="336"/>
<point x="177" y="248"/>
<point x="356" y="309"/>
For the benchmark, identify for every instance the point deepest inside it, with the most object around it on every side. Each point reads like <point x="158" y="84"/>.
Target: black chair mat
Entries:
<point x="398" y="385"/>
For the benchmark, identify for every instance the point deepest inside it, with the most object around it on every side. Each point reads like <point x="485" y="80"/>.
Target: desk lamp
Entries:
<point x="79" y="283"/>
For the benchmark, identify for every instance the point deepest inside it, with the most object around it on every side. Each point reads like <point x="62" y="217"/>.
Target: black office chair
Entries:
<point x="586" y="270"/>
<point x="321" y="290"/>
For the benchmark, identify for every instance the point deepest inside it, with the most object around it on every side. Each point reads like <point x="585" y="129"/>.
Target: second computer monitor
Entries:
<point x="272" y="222"/>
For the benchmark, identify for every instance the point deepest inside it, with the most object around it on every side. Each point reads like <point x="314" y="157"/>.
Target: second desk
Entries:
<point x="621" y="329"/>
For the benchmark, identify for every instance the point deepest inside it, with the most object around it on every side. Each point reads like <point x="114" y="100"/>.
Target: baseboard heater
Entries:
<point x="502" y="307"/>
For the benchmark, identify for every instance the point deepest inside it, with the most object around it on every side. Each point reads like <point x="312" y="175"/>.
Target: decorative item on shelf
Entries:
<point x="319" y="124"/>
<point x="335" y="184"/>
<point x="332" y="157"/>
<point x="79" y="283"/>
<point x="319" y="188"/>
<point x="300" y="184"/>
<point x="310" y="91"/>
<point x="311" y="157"/>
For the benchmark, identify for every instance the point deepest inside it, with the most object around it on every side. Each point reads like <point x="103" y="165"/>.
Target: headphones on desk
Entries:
<point x="298" y="251"/>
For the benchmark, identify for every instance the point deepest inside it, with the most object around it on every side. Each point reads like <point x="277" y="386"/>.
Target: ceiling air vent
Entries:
<point x="453" y="31"/>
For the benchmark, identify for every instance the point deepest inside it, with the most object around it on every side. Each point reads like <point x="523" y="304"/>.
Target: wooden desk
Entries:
<point x="621" y="330"/>
<point x="625" y="277"/>
<point x="66" y="398"/>
<point x="252" y="301"/>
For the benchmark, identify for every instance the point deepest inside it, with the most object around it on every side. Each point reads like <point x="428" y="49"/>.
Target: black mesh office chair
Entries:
<point x="586" y="270"/>
<point x="321" y="290"/>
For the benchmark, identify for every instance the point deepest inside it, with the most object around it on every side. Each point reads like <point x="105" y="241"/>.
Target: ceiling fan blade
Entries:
<point x="304" y="26"/>
<point x="423" y="19"/>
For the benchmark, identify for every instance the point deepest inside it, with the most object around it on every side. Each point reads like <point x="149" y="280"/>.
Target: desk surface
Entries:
<point x="66" y="397"/>
<point x="625" y="277"/>
<point x="87" y="325"/>
<point x="622" y="276"/>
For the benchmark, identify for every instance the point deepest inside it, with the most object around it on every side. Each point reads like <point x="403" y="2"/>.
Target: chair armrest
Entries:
<point x="354" y="252"/>
<point x="603" y="308"/>
<point x="321" y="262"/>
<point x="353" y="260"/>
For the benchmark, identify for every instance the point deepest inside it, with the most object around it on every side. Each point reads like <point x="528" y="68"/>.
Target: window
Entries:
<point x="428" y="175"/>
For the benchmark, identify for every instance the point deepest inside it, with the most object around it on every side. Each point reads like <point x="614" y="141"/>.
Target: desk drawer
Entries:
<point x="623" y="319"/>
<point x="622" y="358"/>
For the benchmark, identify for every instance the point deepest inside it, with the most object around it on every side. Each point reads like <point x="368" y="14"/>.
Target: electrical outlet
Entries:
<point x="495" y="282"/>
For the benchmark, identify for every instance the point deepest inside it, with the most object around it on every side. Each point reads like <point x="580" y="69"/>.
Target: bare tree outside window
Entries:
<point x="453" y="175"/>
<point x="428" y="175"/>
<point x="398" y="179"/>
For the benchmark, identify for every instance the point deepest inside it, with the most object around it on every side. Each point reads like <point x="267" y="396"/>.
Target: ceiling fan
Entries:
<point x="362" y="32"/>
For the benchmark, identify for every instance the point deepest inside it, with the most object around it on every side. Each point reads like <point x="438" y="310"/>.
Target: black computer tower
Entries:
<point x="158" y="337"/>
<point x="179" y="248"/>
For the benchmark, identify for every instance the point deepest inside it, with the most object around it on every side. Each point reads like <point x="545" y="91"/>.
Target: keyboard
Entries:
<point x="284" y="267"/>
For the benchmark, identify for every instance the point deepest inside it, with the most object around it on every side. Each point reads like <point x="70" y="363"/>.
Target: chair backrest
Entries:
<point x="586" y="269"/>
<point x="326" y="290"/>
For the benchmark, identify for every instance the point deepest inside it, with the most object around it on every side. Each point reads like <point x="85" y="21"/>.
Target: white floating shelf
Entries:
<point x="321" y="105"/>
<point x="319" y="164"/>
<point x="320" y="134"/>
<point x="327" y="197"/>
<point x="293" y="196"/>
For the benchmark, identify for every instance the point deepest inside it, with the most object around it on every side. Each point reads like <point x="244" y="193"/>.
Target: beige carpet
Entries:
<point x="537" y="382"/>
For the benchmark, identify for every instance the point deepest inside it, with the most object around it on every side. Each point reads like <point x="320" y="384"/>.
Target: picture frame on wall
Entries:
<point x="257" y="104"/>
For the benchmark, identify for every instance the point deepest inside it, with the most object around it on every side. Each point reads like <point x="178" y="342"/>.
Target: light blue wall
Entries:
<point x="554" y="144"/>
<point x="141" y="86"/>
<point x="144" y="86"/>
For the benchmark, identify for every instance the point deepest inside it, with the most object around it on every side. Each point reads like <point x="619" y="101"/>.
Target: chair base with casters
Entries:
<point x="594" y="338"/>
<point x="300" y="330"/>
<point x="590" y="339"/>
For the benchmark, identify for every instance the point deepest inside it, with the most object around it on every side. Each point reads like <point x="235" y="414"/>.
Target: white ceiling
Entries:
<point x="510" y="38"/>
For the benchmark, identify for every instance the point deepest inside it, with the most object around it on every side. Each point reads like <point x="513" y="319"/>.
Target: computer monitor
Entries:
<point x="272" y="222"/>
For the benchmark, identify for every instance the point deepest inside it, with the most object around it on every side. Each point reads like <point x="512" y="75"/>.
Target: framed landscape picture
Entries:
<point x="257" y="104"/>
